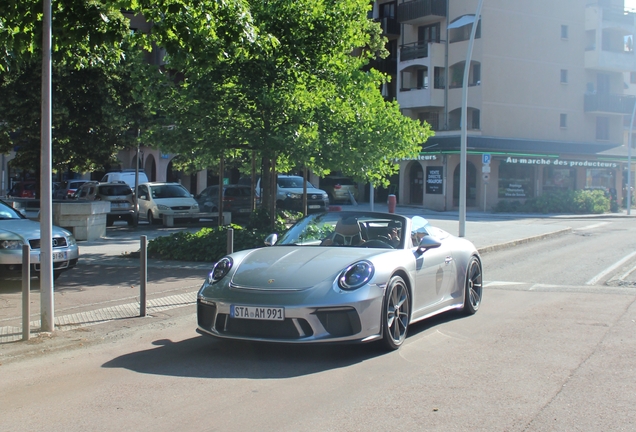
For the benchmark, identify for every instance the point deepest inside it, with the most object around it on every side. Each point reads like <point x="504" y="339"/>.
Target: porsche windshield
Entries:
<point x="349" y="229"/>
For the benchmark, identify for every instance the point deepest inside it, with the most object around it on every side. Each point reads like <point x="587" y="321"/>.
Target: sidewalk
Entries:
<point x="489" y="232"/>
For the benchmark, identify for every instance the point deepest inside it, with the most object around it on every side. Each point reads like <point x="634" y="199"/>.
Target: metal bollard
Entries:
<point x="26" y="292"/>
<point x="143" y="273"/>
<point x="230" y="240"/>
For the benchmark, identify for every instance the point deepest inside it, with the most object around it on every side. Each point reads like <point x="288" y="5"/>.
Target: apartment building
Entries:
<point x="547" y="96"/>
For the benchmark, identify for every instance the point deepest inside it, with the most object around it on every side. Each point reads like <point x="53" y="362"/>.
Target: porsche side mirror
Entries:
<point x="271" y="240"/>
<point x="427" y="243"/>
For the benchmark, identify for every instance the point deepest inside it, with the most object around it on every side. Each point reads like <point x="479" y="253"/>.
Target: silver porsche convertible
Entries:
<point x="341" y="277"/>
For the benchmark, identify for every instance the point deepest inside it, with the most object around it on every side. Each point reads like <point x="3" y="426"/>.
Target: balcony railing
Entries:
<point x="387" y="65"/>
<point x="421" y="8"/>
<point x="609" y="103"/>
<point x="413" y="50"/>
<point x="390" y="26"/>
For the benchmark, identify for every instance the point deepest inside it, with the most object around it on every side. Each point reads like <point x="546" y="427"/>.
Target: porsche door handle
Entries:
<point x="448" y="260"/>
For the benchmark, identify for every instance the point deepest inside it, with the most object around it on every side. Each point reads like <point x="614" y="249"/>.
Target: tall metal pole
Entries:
<point x="136" y="222"/>
<point x="464" y="117"/>
<point x="46" y="199"/>
<point x="629" y="162"/>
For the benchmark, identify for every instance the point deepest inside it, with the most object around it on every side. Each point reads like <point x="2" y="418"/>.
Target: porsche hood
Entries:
<point x="294" y="268"/>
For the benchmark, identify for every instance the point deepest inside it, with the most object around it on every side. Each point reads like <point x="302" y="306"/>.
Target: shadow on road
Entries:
<point x="206" y="357"/>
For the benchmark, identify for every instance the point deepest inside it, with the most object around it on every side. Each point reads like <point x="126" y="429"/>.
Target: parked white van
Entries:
<point x="127" y="176"/>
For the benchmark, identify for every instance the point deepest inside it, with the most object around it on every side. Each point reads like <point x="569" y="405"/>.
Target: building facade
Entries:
<point x="549" y="96"/>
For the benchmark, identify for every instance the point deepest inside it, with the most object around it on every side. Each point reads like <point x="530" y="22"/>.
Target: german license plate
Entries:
<point x="257" y="312"/>
<point x="314" y="206"/>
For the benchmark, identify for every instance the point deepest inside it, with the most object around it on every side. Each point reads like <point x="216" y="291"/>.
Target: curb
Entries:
<point x="514" y="243"/>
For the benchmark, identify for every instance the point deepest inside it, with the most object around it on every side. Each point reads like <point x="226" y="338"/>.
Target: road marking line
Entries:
<point x="588" y="227"/>
<point x="610" y="269"/>
<point x="502" y="283"/>
<point x="624" y="275"/>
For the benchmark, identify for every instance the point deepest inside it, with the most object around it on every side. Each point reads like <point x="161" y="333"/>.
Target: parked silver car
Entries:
<point x="341" y="277"/>
<point x="16" y="230"/>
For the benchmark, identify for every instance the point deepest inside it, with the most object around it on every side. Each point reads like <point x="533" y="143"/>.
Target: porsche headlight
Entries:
<point x="10" y="244"/>
<point x="356" y="275"/>
<point x="220" y="270"/>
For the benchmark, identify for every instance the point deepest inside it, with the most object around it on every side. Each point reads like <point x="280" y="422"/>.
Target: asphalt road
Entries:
<point x="551" y="349"/>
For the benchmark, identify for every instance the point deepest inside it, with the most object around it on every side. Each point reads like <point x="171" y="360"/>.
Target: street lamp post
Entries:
<point x="47" y="315"/>
<point x="628" y="189"/>
<point x="464" y="119"/>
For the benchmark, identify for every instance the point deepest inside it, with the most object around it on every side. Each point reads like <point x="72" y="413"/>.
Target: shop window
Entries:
<point x="564" y="76"/>
<point x="516" y="181"/>
<point x="563" y="122"/>
<point x="558" y="178"/>
<point x="598" y="178"/>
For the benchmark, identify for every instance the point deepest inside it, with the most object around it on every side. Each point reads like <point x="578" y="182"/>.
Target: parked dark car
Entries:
<point x="236" y="199"/>
<point x="67" y="189"/>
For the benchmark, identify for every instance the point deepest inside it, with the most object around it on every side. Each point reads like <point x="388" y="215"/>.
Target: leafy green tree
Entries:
<point x="297" y="96"/>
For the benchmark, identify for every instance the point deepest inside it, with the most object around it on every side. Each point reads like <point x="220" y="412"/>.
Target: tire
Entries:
<point x="473" y="286"/>
<point x="131" y="221"/>
<point x="151" y="218"/>
<point x="396" y="313"/>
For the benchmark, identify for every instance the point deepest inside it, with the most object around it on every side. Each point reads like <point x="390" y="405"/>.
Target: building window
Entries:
<point x="462" y="33"/>
<point x="432" y="118"/>
<point x="563" y="121"/>
<point x="516" y="180"/>
<point x="602" y="128"/>
<point x="475" y="120"/>
<point x="422" y="78"/>
<point x="600" y="178"/>
<point x="564" y="32"/>
<point x="564" y="76"/>
<point x="632" y="77"/>
<point x="440" y="77"/>
<point x="558" y="178"/>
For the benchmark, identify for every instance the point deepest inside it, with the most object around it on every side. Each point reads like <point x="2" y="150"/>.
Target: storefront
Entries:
<point x="513" y="170"/>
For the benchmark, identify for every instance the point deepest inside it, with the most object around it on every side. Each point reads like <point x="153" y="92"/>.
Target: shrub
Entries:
<point x="575" y="202"/>
<point x="210" y="244"/>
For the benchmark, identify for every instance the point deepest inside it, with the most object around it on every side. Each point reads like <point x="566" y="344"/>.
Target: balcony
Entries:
<point x="609" y="103"/>
<point x="387" y="65"/>
<point x="418" y="98"/>
<point x="611" y="61"/>
<point x="413" y="51"/>
<point x="421" y="11"/>
<point x="390" y="26"/>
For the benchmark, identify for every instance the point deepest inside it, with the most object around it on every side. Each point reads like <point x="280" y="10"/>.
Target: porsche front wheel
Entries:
<point x="474" y="287"/>
<point x="396" y="313"/>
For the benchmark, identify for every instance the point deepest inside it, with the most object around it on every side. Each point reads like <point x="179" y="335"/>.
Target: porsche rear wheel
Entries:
<point x="474" y="287"/>
<point x="396" y="313"/>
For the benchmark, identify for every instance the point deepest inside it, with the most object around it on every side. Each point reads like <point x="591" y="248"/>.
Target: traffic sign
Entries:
<point x="485" y="158"/>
